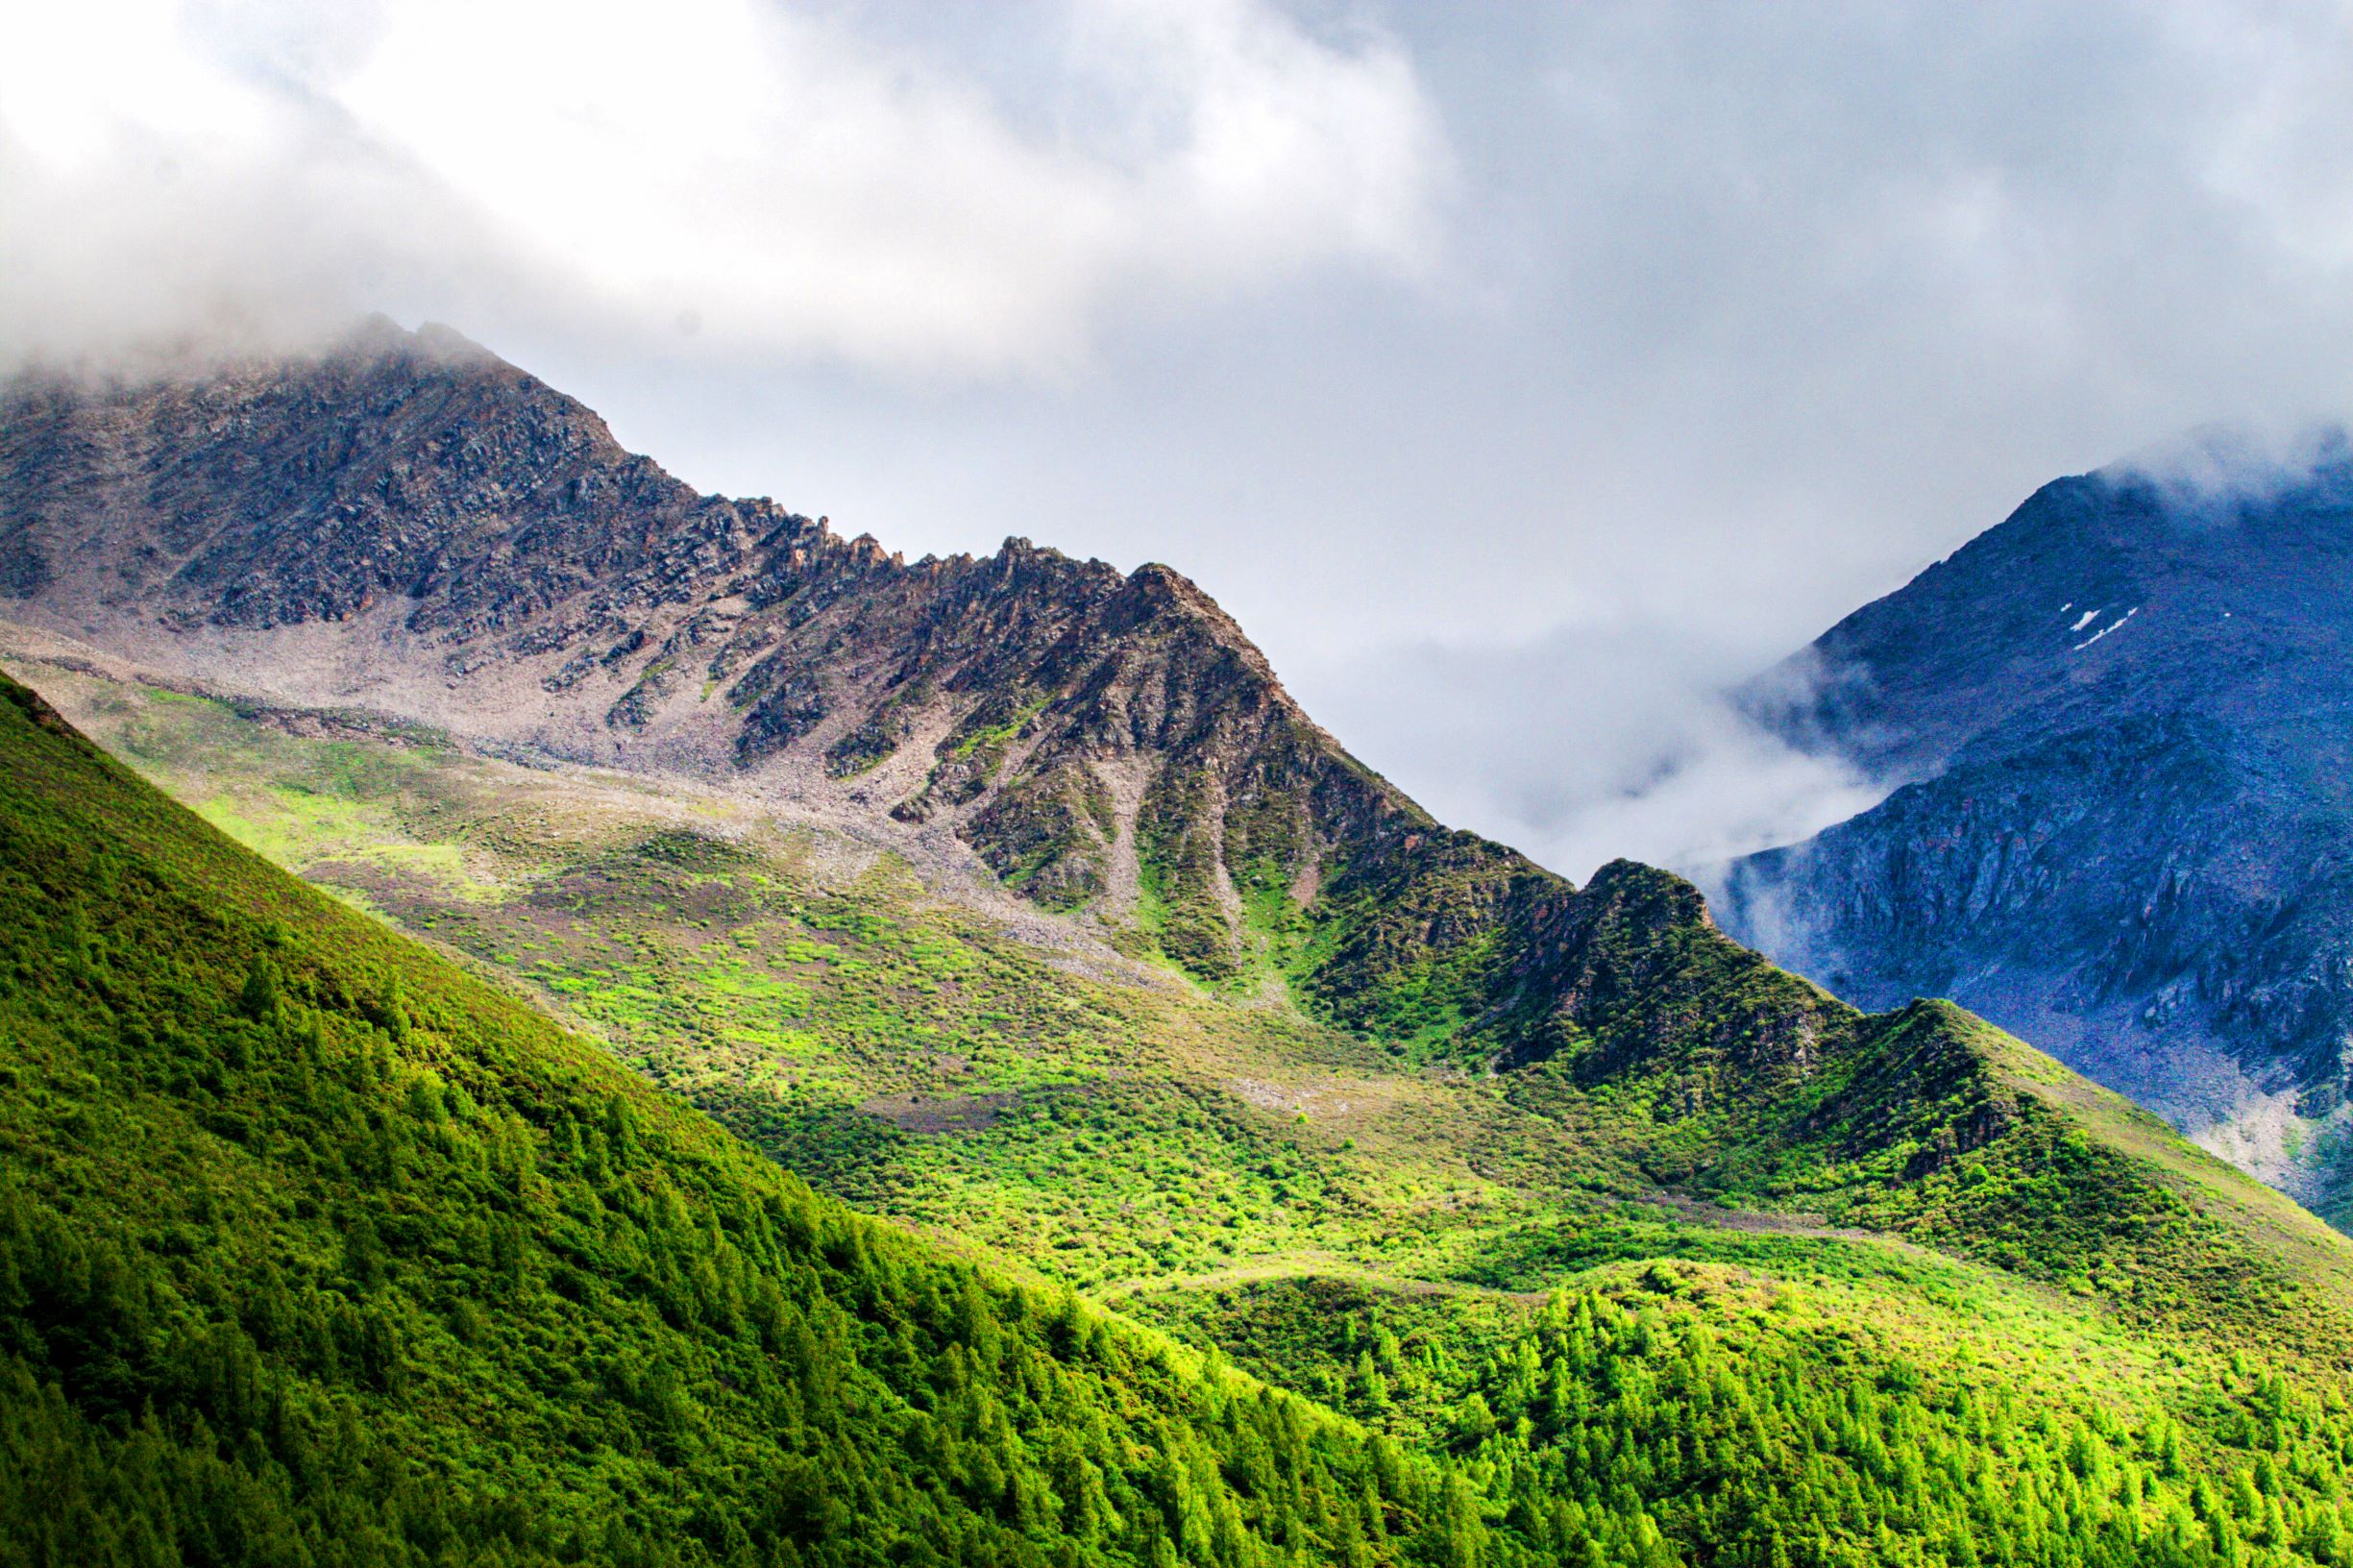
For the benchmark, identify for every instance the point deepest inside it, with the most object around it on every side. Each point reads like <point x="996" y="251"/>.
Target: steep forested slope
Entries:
<point x="313" y="1249"/>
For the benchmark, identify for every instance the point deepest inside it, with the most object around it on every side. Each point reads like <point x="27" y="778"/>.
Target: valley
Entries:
<point x="1419" y="1249"/>
<point x="780" y="1055"/>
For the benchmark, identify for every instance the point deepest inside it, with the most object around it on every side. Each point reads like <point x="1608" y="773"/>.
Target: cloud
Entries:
<point x="2213" y="470"/>
<point x="1620" y="743"/>
<point x="727" y="177"/>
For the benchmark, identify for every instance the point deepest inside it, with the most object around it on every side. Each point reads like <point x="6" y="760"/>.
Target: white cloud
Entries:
<point x="764" y="179"/>
<point x="1588" y="744"/>
<point x="2211" y="470"/>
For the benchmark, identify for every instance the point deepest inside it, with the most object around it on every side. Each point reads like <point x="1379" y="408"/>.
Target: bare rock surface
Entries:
<point x="2124" y="830"/>
<point x="408" y="524"/>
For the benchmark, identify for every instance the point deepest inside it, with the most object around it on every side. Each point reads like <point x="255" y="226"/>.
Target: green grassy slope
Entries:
<point x="1734" y="1274"/>
<point x="314" y="1249"/>
<point x="898" y="1051"/>
<point x="1696" y="1064"/>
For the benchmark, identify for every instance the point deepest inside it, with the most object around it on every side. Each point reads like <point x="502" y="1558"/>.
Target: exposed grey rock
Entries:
<point x="2127" y="830"/>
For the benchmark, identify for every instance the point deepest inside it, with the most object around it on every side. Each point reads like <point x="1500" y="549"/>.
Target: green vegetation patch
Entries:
<point x="1745" y="1199"/>
<point x="312" y="1248"/>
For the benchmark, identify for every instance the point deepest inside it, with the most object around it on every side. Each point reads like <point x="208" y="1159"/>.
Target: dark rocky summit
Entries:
<point x="2123" y="720"/>
<point x="409" y="523"/>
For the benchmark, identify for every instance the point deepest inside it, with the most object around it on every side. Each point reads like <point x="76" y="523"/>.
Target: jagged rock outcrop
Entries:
<point x="2122" y="831"/>
<point x="406" y="521"/>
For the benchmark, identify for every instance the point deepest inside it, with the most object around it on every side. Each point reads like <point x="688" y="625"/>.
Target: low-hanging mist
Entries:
<point x="1626" y="743"/>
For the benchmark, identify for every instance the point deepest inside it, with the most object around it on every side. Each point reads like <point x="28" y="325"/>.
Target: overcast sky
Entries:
<point x="1517" y="374"/>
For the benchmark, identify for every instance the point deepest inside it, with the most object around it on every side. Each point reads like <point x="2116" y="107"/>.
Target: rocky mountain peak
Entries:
<point x="410" y="524"/>
<point x="2118" y="725"/>
<point x="407" y="520"/>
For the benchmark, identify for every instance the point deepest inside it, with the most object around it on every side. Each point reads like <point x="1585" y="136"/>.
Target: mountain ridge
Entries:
<point x="1699" y="1267"/>
<point x="1105" y="744"/>
<point x="409" y="523"/>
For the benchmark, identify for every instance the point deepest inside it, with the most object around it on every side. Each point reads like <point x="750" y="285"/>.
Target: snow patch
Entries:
<point x="2104" y="630"/>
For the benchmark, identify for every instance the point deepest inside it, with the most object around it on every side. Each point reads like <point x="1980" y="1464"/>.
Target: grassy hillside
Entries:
<point x="1732" y="1274"/>
<point x="314" y="1249"/>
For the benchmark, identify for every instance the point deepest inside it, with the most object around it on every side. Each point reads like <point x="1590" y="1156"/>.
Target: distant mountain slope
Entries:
<point x="313" y="1249"/>
<point x="2129" y="830"/>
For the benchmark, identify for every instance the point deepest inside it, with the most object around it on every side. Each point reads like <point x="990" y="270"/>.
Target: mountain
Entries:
<point x="1710" y="1268"/>
<point x="2124" y="830"/>
<point x="924" y="1059"/>
<point x="313" y="1248"/>
<point x="409" y="523"/>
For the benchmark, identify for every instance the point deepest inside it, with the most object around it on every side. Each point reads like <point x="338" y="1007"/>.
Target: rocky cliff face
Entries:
<point x="408" y="523"/>
<point x="2126" y="832"/>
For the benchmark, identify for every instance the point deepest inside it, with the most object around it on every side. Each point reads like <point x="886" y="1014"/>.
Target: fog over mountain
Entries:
<point x="1520" y="374"/>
